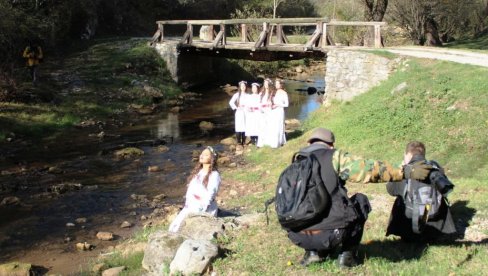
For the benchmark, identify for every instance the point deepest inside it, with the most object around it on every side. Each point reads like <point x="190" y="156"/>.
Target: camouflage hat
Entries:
<point x="322" y="134"/>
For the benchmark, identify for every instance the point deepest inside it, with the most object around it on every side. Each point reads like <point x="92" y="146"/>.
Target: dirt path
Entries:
<point x="459" y="56"/>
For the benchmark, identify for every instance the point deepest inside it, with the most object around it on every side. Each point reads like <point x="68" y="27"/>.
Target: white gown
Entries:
<point x="276" y="126"/>
<point x="199" y="198"/>
<point x="240" y="115"/>
<point x="253" y="114"/>
<point x="263" y="135"/>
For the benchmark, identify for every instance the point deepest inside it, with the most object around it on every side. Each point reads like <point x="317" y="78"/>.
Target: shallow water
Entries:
<point x="35" y="231"/>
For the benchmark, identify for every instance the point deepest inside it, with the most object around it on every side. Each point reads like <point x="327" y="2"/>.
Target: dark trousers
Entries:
<point x="33" y="73"/>
<point x="349" y="238"/>
<point x="241" y="138"/>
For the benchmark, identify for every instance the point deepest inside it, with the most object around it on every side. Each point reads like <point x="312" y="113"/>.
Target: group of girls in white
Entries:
<point x="204" y="183"/>
<point x="260" y="114"/>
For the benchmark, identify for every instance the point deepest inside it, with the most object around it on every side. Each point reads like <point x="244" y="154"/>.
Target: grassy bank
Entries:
<point x="479" y="43"/>
<point x="95" y="83"/>
<point x="444" y="105"/>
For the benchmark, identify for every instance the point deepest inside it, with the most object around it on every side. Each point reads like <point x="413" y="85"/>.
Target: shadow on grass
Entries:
<point x="293" y="135"/>
<point x="398" y="250"/>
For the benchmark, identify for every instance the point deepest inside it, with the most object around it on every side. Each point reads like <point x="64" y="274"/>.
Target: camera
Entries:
<point x="439" y="179"/>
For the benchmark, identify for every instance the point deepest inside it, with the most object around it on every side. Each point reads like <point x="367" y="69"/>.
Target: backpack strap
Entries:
<point x="266" y="205"/>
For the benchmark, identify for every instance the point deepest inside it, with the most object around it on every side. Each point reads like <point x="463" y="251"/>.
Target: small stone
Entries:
<point x="206" y="126"/>
<point x="228" y="141"/>
<point x="160" y="197"/>
<point x="105" y="236"/>
<point x="125" y="224"/>
<point x="10" y="200"/>
<point x="81" y="220"/>
<point x="114" y="271"/>
<point x="70" y="224"/>
<point x="68" y="239"/>
<point x="54" y="169"/>
<point x="154" y="169"/>
<point x="84" y="246"/>
<point x="162" y="149"/>
<point x="399" y="88"/>
<point x="233" y="193"/>
<point x="143" y="217"/>
<point x="232" y="165"/>
<point x="133" y="213"/>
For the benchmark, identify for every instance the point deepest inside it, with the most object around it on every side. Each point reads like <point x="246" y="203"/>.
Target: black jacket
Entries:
<point x="342" y="211"/>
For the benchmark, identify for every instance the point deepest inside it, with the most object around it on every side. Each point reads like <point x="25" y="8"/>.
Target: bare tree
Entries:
<point x="276" y="3"/>
<point x="375" y="10"/>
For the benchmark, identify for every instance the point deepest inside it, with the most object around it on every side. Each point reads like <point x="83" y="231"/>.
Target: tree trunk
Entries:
<point x="431" y="33"/>
<point x="374" y="11"/>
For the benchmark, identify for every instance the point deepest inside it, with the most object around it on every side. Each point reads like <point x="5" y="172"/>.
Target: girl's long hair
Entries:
<point x="271" y="92"/>
<point x="199" y="166"/>
<point x="240" y="93"/>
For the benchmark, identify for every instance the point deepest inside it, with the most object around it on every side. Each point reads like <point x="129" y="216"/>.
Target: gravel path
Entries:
<point x="459" y="56"/>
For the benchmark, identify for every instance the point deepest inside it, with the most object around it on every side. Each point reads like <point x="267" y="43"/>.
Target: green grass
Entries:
<point x="377" y="125"/>
<point x="480" y="43"/>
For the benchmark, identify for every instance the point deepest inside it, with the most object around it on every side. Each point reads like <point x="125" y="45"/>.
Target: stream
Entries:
<point x="73" y="176"/>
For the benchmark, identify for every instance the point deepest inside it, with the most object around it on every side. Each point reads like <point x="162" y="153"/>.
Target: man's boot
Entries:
<point x="347" y="259"/>
<point x="310" y="257"/>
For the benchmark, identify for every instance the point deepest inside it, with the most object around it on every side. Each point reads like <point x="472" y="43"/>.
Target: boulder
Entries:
<point x="16" y="269"/>
<point x="223" y="160"/>
<point x="126" y="224"/>
<point x="160" y="251"/>
<point x="229" y="89"/>
<point x="228" y="141"/>
<point x="129" y="152"/>
<point x="399" y="88"/>
<point x="206" y="126"/>
<point x="193" y="257"/>
<point x="114" y="271"/>
<point x="81" y="220"/>
<point x="97" y="268"/>
<point x="202" y="227"/>
<point x="84" y="246"/>
<point x="10" y="200"/>
<point x="250" y="219"/>
<point x="105" y="236"/>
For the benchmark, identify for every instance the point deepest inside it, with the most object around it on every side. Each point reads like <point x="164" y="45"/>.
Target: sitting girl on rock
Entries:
<point x="202" y="190"/>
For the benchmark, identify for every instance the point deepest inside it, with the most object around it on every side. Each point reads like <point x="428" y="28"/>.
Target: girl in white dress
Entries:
<point x="202" y="190"/>
<point x="276" y="127"/>
<point x="238" y="103"/>
<point x="266" y="96"/>
<point x="253" y="113"/>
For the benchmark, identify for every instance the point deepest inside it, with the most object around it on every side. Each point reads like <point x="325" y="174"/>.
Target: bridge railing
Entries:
<point x="319" y="40"/>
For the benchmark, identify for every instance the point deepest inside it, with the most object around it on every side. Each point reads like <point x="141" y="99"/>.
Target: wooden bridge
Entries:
<point x="258" y="39"/>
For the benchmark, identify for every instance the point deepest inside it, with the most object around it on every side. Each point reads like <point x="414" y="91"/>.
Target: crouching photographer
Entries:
<point x="421" y="210"/>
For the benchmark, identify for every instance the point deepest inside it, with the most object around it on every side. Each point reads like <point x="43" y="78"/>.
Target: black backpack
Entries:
<point x="301" y="196"/>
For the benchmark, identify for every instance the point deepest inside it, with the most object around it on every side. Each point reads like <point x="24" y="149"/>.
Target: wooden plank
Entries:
<point x="315" y="37"/>
<point x="355" y="23"/>
<point x="161" y="28"/>
<point x="310" y="20"/>
<point x="156" y="36"/>
<point x="218" y="38"/>
<point x="224" y="37"/>
<point x="184" y="39"/>
<point x="262" y="37"/>
<point x="279" y="34"/>
<point x="377" y="36"/>
<point x="243" y="32"/>
<point x="190" y="31"/>
<point x="324" y="35"/>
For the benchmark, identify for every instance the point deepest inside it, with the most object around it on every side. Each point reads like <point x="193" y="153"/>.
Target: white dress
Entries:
<point x="276" y="126"/>
<point x="263" y="135"/>
<point x="238" y="103"/>
<point x="199" y="198"/>
<point x="253" y="113"/>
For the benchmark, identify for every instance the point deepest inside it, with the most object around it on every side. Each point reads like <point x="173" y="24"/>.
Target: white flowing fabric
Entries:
<point x="264" y="135"/>
<point x="276" y="126"/>
<point x="199" y="198"/>
<point x="252" y="115"/>
<point x="238" y="103"/>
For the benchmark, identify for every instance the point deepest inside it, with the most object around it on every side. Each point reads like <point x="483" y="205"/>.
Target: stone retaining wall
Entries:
<point x="187" y="70"/>
<point x="350" y="73"/>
